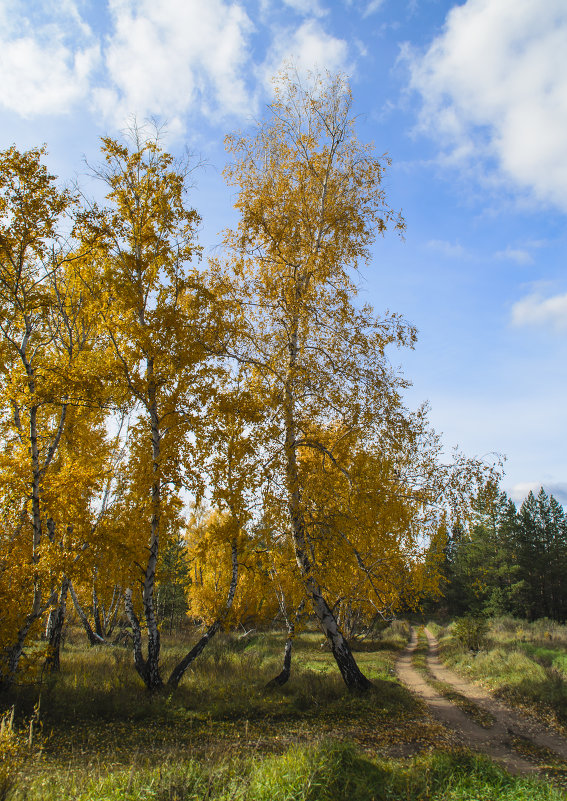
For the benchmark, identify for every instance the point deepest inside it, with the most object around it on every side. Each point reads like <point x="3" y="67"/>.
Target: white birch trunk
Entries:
<point x="181" y="667"/>
<point x="351" y="673"/>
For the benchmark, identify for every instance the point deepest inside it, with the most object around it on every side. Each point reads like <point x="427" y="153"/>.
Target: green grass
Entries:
<point x="523" y="663"/>
<point x="222" y="736"/>
<point x="326" y="771"/>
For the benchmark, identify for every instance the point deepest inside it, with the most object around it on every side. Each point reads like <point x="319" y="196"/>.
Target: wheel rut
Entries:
<point x="509" y="725"/>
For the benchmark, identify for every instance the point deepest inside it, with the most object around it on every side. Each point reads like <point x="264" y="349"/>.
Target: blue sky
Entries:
<point x="468" y="99"/>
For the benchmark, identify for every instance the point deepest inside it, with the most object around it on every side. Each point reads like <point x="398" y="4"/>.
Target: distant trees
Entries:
<point x="510" y="561"/>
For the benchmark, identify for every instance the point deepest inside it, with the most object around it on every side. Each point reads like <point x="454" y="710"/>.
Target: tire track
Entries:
<point x="495" y="742"/>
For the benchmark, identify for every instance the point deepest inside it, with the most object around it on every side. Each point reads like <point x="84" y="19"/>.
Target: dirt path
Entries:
<point x="496" y="741"/>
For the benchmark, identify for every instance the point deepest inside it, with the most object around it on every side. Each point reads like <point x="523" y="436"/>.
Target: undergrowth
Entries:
<point x="326" y="771"/>
<point x="523" y="663"/>
<point x="222" y="736"/>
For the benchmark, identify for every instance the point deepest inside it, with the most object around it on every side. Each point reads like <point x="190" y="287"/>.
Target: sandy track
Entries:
<point x="495" y="741"/>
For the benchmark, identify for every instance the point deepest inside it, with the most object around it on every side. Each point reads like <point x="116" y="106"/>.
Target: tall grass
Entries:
<point x="524" y="663"/>
<point x="222" y="736"/>
<point x="326" y="771"/>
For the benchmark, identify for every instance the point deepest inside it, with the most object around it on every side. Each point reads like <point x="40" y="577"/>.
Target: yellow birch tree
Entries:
<point x="49" y="474"/>
<point x="160" y="323"/>
<point x="311" y="202"/>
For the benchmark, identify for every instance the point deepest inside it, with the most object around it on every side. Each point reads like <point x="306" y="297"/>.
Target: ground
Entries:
<point x="222" y="735"/>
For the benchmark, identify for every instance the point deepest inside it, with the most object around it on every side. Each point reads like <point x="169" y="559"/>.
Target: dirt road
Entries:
<point x="496" y="741"/>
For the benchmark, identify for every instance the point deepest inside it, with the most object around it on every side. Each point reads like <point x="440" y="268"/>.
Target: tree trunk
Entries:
<point x="351" y="673"/>
<point x="139" y="661"/>
<point x="112" y="616"/>
<point x="181" y="667"/>
<point x="152" y="672"/>
<point x="14" y="653"/>
<point x="96" y="608"/>
<point x="283" y="675"/>
<point x="36" y="509"/>
<point x="93" y="638"/>
<point x="52" y="661"/>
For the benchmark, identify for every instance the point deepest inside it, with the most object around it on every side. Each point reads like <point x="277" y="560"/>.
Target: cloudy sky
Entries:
<point x="468" y="99"/>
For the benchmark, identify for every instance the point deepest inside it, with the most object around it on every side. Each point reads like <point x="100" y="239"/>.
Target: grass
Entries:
<point x="221" y="736"/>
<point x="523" y="663"/>
<point x="325" y="771"/>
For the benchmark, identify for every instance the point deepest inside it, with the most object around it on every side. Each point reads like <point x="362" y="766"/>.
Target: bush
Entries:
<point x="471" y="631"/>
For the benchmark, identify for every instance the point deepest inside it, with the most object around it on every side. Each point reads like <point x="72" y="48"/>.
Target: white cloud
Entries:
<point x="494" y="84"/>
<point x="168" y="57"/>
<point x="46" y="59"/>
<point x="520" y="491"/>
<point x="453" y="251"/>
<point x="308" y="47"/>
<point x="163" y="59"/>
<point x="306" y="7"/>
<point x="537" y="310"/>
<point x="372" y="7"/>
<point x="518" y="255"/>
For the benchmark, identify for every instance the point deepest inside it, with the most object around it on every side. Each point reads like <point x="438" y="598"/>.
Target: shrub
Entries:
<point x="471" y="631"/>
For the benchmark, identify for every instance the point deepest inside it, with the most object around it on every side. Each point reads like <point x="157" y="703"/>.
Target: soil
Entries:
<point x="510" y="727"/>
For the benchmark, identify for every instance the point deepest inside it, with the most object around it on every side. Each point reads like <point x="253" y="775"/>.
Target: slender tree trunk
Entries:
<point x="36" y="509"/>
<point x="152" y="672"/>
<point x="93" y="638"/>
<point x="351" y="673"/>
<point x="139" y="660"/>
<point x="179" y="670"/>
<point x="284" y="674"/>
<point x="181" y="667"/>
<point x="111" y="618"/>
<point x="52" y="661"/>
<point x="96" y="608"/>
<point x="14" y="653"/>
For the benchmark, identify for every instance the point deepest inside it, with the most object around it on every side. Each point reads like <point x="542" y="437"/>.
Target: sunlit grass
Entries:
<point x="223" y="736"/>
<point x="523" y="663"/>
<point x="324" y="771"/>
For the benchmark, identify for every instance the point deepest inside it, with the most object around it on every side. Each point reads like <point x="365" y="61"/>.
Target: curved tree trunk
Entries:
<point x="139" y="661"/>
<point x="351" y="673"/>
<point x="284" y="674"/>
<point x="93" y="638"/>
<point x="181" y="667"/>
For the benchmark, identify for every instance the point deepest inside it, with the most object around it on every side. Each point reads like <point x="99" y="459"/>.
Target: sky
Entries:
<point x="468" y="100"/>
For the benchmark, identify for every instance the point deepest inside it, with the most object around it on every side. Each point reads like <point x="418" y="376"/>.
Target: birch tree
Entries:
<point x="311" y="202"/>
<point x="157" y="315"/>
<point x="49" y="473"/>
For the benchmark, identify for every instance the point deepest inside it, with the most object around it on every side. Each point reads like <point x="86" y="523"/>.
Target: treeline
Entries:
<point x="133" y="376"/>
<point x="510" y="561"/>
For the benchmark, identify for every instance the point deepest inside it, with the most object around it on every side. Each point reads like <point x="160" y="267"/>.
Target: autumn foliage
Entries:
<point x="134" y="379"/>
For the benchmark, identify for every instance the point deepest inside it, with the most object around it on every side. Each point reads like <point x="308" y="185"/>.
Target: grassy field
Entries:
<point x="523" y="663"/>
<point x="223" y="736"/>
